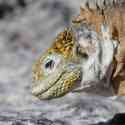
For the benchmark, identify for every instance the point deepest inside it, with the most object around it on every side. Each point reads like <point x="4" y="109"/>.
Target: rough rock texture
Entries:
<point x="69" y="110"/>
<point x="24" y="35"/>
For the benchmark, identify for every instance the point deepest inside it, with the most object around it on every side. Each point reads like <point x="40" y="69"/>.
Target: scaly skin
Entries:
<point x="114" y="17"/>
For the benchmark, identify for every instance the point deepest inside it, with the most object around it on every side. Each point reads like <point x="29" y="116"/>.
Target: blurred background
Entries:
<point x="27" y="28"/>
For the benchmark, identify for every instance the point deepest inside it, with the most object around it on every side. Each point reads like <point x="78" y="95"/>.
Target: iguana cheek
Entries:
<point x="40" y="86"/>
<point x="65" y="84"/>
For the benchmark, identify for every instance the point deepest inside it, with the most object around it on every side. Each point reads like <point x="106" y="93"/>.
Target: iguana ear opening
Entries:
<point x="81" y="52"/>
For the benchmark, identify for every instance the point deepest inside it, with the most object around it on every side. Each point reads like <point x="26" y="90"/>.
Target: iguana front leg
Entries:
<point x="119" y="74"/>
<point x="120" y="57"/>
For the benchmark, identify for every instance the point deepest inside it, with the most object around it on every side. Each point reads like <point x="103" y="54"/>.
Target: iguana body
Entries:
<point x="114" y="17"/>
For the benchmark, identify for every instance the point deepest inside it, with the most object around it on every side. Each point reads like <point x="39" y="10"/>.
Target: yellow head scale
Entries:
<point x="64" y="43"/>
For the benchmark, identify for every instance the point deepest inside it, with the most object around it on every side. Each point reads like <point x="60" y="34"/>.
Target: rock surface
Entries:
<point x="69" y="110"/>
<point x="24" y="34"/>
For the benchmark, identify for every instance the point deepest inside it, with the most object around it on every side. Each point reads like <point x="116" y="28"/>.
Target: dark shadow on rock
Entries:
<point x="118" y="119"/>
<point x="23" y="119"/>
<point x="7" y="8"/>
<point x="22" y="3"/>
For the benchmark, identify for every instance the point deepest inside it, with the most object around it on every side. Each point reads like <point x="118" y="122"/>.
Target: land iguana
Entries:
<point x="80" y="58"/>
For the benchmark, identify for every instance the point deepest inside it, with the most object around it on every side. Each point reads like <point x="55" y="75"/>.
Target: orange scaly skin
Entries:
<point x="114" y="17"/>
<point x="64" y="43"/>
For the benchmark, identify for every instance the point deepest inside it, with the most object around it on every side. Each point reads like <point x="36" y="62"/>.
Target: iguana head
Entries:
<point x="77" y="60"/>
<point x="56" y="72"/>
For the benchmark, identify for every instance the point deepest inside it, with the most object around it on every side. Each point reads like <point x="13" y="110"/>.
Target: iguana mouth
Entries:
<point x="38" y="90"/>
<point x="61" y="85"/>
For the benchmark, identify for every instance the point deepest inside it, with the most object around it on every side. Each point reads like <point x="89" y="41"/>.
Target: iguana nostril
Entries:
<point x="50" y="64"/>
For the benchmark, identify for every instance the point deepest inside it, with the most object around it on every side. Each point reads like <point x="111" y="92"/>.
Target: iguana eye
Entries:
<point x="49" y="64"/>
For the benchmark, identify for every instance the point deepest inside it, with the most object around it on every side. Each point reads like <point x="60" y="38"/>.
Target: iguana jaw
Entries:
<point x="59" y="82"/>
